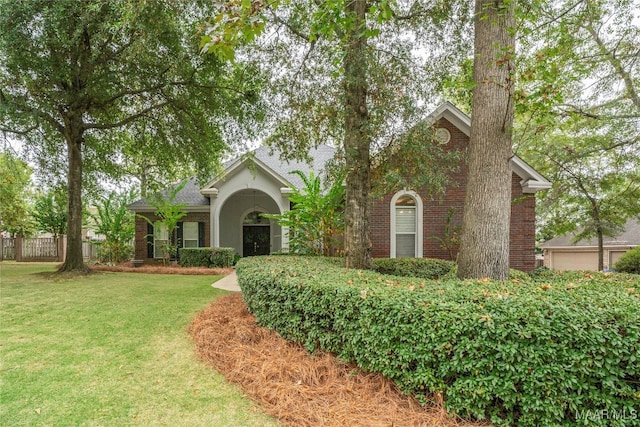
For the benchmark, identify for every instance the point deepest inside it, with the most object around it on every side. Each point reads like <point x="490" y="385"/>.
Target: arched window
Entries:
<point x="406" y="225"/>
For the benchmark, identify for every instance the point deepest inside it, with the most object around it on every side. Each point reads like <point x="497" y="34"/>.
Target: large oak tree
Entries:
<point x="356" y="74"/>
<point x="75" y="77"/>
<point x="484" y="243"/>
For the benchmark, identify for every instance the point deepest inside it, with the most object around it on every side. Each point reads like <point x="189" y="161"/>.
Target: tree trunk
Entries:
<point x="74" y="137"/>
<point x="600" y="249"/>
<point x="357" y="141"/>
<point x="484" y="243"/>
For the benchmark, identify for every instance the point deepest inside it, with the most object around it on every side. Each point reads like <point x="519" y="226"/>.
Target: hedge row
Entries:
<point x="426" y="268"/>
<point x="207" y="257"/>
<point x="515" y="353"/>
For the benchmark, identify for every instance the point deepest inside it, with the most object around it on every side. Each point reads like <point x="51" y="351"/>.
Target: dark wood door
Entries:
<point x="256" y="240"/>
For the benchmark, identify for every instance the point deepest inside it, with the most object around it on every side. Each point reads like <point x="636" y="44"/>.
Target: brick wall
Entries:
<point x="141" y="232"/>
<point x="436" y="209"/>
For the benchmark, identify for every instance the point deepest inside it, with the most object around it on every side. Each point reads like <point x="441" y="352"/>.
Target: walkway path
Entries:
<point x="228" y="283"/>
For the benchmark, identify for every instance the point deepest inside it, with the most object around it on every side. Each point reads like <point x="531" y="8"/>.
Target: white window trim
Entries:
<point x="419" y="229"/>
<point x="158" y="252"/>
<point x="185" y="240"/>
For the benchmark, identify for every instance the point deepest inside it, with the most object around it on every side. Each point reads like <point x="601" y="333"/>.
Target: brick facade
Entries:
<point x="436" y="209"/>
<point x="141" y="251"/>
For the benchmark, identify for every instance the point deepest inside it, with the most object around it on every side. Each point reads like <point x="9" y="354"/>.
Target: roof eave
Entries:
<point x="208" y="189"/>
<point x="533" y="186"/>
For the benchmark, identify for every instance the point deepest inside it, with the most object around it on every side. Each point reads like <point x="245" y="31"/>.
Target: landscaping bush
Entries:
<point x="114" y="252"/>
<point x="513" y="275"/>
<point x="629" y="262"/>
<point x="542" y="272"/>
<point x="563" y="352"/>
<point x="222" y="257"/>
<point x="195" y="257"/>
<point x="206" y="257"/>
<point x="426" y="268"/>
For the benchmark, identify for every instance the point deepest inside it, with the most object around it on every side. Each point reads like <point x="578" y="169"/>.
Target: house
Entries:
<point x="561" y="253"/>
<point x="226" y="211"/>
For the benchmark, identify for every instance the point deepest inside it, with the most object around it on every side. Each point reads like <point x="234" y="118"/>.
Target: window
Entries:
<point x="406" y="225"/>
<point x="160" y="240"/>
<point x="190" y="235"/>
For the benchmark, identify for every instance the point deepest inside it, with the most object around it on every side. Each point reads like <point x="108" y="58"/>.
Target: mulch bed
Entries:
<point x="161" y="269"/>
<point x="298" y="388"/>
<point x="287" y="382"/>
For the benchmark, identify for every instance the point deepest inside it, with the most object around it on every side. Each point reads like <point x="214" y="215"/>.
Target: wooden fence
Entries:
<point x="7" y="248"/>
<point x="39" y="249"/>
<point x="42" y="249"/>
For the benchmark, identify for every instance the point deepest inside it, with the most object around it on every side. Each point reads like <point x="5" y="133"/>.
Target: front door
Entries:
<point x="256" y="240"/>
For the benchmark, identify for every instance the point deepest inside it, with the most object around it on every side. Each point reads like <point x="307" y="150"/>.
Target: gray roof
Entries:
<point x="629" y="237"/>
<point x="319" y="158"/>
<point x="191" y="196"/>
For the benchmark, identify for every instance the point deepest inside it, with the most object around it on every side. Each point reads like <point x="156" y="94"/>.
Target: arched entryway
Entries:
<point x="244" y="227"/>
<point x="256" y="234"/>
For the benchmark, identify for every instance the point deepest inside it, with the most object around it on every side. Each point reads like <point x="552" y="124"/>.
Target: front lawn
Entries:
<point x="109" y="349"/>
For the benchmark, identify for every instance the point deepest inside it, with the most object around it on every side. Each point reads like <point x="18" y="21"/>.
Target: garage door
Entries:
<point x="575" y="260"/>
<point x="615" y="256"/>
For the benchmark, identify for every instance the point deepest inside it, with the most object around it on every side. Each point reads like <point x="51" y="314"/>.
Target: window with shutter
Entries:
<point x="190" y="234"/>
<point x="160" y="240"/>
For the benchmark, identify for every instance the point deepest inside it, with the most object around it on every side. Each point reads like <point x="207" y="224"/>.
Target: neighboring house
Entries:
<point x="561" y="254"/>
<point x="226" y="211"/>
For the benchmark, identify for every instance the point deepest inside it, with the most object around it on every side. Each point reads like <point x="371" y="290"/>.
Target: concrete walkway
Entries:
<point x="228" y="283"/>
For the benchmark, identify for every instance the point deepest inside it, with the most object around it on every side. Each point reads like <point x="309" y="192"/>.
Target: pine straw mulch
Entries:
<point x="161" y="269"/>
<point x="298" y="388"/>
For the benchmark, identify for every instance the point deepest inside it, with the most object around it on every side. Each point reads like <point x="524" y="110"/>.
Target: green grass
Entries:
<point x="109" y="349"/>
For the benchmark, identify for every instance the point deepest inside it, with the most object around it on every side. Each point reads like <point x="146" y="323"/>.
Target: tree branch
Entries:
<point x="126" y="120"/>
<point x="616" y="63"/>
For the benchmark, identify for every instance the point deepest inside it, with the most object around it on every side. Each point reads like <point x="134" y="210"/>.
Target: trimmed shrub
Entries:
<point x="513" y="353"/>
<point x="426" y="268"/>
<point x="542" y="272"/>
<point x="195" y="257"/>
<point x="513" y="274"/>
<point x="222" y="257"/>
<point x="206" y="257"/>
<point x="629" y="262"/>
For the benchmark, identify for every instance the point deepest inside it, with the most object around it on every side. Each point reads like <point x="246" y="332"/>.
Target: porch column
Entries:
<point x="285" y="204"/>
<point x="214" y="219"/>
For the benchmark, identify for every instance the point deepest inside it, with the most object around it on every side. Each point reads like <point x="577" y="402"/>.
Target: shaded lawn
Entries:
<point x="109" y="349"/>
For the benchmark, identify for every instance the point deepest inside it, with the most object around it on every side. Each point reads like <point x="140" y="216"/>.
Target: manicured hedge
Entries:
<point x="515" y="353"/>
<point x="206" y="257"/>
<point x="426" y="268"/>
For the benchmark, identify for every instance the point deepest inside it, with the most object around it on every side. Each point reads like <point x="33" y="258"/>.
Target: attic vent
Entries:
<point x="442" y="136"/>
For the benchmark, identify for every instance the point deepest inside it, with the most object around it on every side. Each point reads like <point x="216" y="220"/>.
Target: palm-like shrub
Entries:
<point x="117" y="224"/>
<point x="316" y="219"/>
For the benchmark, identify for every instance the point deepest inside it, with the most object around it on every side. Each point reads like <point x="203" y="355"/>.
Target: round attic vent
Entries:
<point x="442" y="135"/>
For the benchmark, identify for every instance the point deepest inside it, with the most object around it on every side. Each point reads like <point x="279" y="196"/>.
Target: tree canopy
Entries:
<point x="76" y="77"/>
<point x="15" y="190"/>
<point x="579" y="115"/>
<point x="50" y="211"/>
<point x="353" y="74"/>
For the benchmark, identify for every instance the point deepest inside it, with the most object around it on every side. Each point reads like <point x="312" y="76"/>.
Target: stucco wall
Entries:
<point x="236" y="208"/>
<point x="236" y="198"/>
